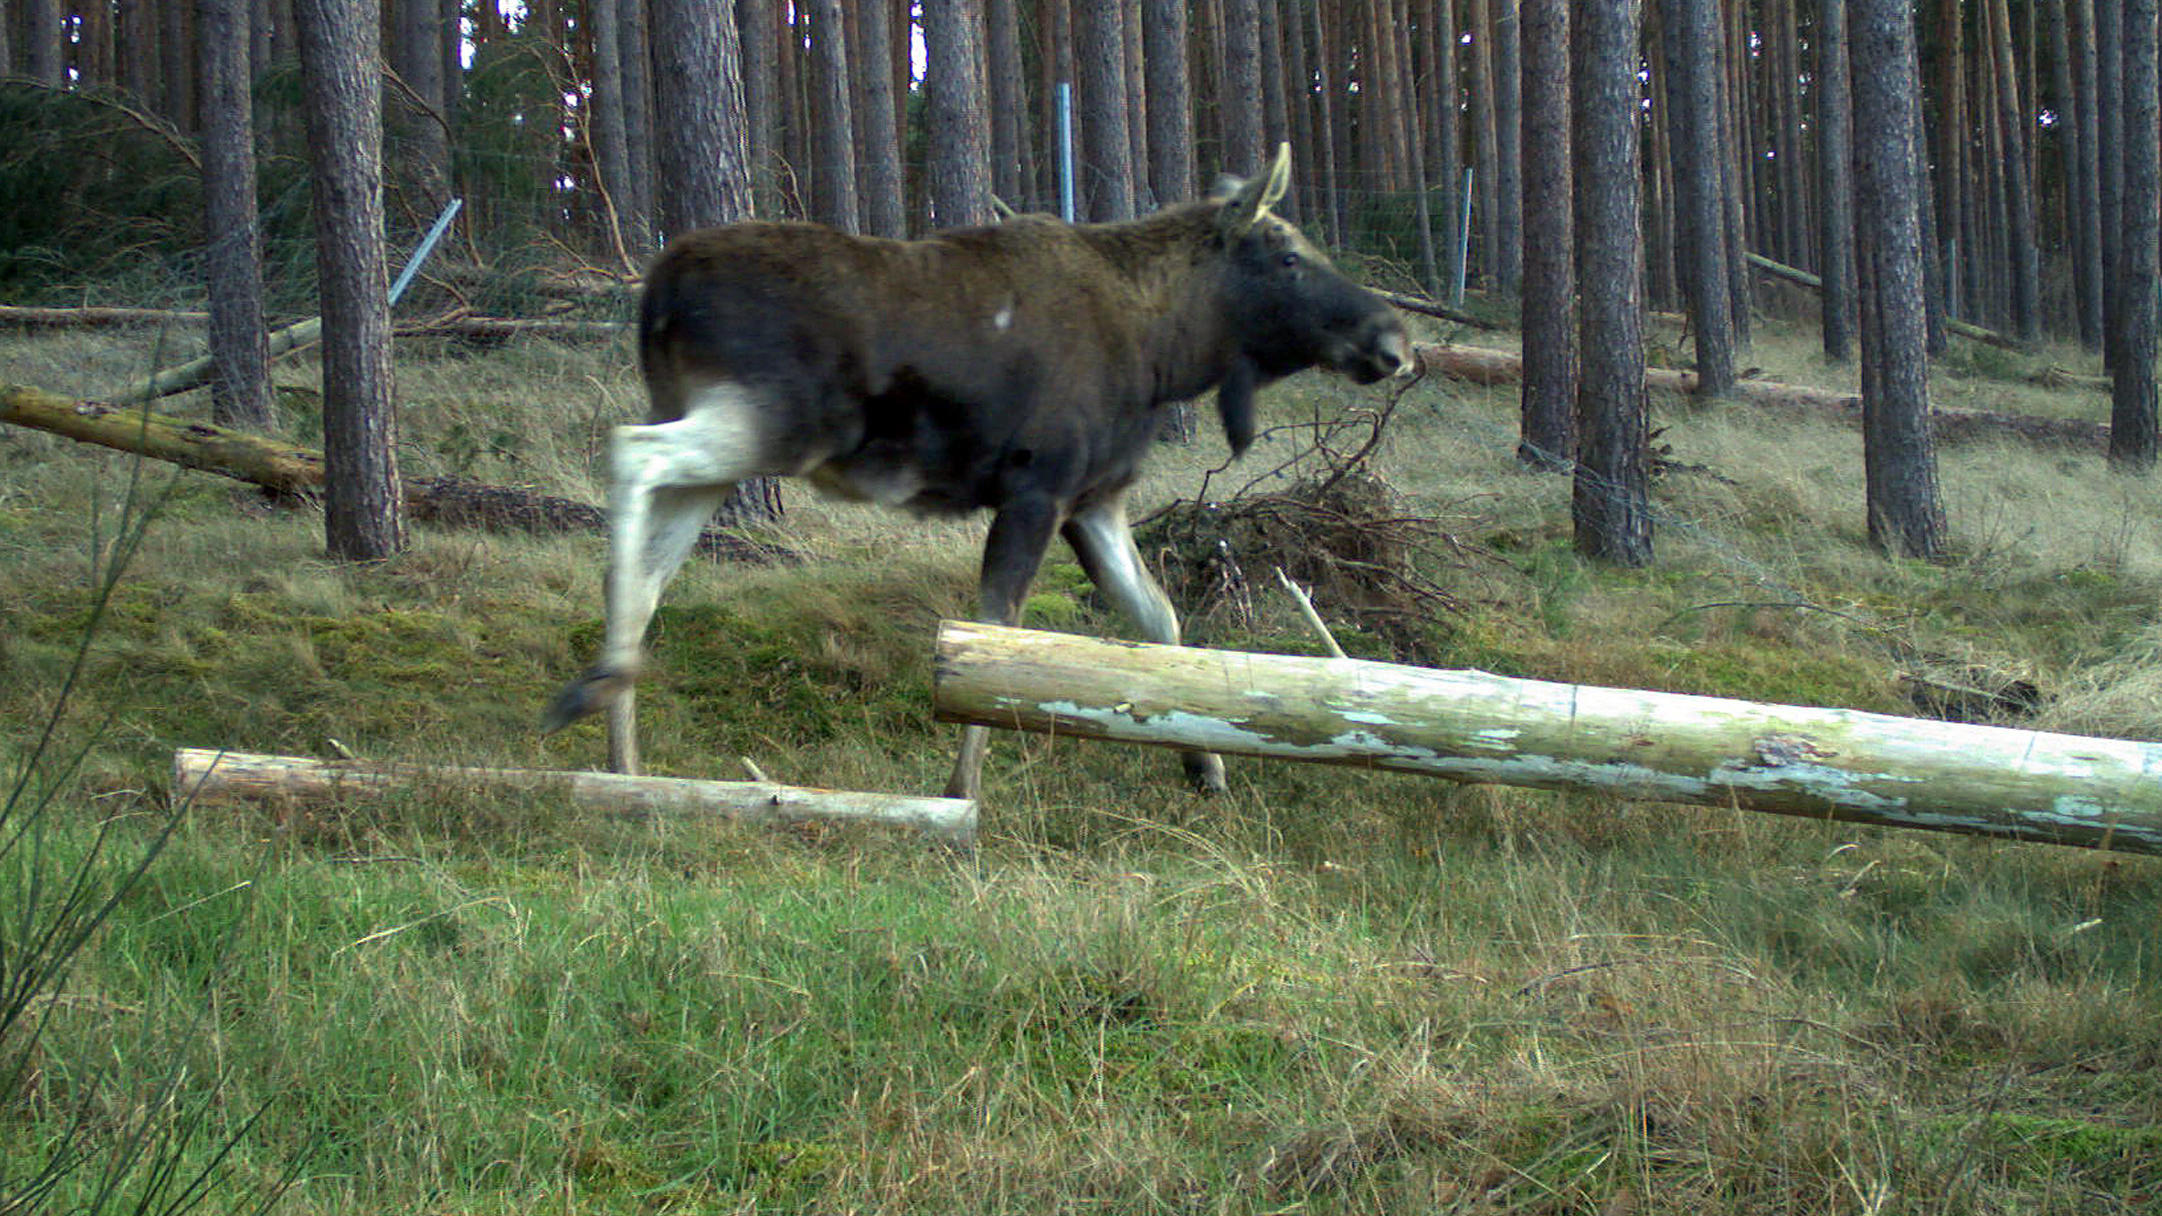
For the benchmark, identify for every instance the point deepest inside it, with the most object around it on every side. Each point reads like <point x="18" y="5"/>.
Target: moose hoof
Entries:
<point x="584" y="695"/>
<point x="1204" y="771"/>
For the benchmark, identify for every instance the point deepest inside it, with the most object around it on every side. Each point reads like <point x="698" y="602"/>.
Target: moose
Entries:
<point x="1023" y="368"/>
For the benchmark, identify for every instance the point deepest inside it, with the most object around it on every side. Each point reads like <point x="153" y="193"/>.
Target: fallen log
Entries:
<point x="1479" y="365"/>
<point x="1435" y="308"/>
<point x="1802" y="278"/>
<point x="289" y="470"/>
<point x="205" y="777"/>
<point x="95" y="317"/>
<point x="197" y="372"/>
<point x="1471" y="726"/>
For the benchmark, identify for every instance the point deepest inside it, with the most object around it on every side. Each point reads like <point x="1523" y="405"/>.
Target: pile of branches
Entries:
<point x="1345" y="533"/>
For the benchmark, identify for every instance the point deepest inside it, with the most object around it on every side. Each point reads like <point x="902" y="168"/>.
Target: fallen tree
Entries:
<point x="289" y="470"/>
<point x="1480" y="365"/>
<point x="203" y="777"/>
<point x="1802" y="278"/>
<point x="1471" y="726"/>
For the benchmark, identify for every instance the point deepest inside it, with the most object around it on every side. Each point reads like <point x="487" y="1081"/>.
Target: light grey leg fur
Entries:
<point x="666" y="479"/>
<point x="1104" y="542"/>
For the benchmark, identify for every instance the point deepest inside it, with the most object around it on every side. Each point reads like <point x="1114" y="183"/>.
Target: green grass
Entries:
<point x="1327" y="991"/>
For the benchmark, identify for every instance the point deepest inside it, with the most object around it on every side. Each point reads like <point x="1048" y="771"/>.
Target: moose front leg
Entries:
<point x="1020" y="533"/>
<point x="1104" y="542"/>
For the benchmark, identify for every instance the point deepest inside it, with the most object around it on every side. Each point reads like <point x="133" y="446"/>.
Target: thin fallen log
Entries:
<point x="1435" y="308"/>
<point x="95" y="317"/>
<point x="205" y="777"/>
<point x="1802" y="278"/>
<point x="197" y="372"/>
<point x="287" y="469"/>
<point x="1479" y="365"/>
<point x="1471" y="726"/>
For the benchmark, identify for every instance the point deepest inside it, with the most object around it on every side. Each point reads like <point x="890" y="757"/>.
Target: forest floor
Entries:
<point x="1326" y="991"/>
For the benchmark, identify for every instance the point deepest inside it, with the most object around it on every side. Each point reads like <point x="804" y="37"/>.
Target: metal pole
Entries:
<point x="1065" y="151"/>
<point x="1463" y="243"/>
<point x="427" y="244"/>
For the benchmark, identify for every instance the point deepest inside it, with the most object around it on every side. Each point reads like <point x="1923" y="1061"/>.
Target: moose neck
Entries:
<point x="1174" y="263"/>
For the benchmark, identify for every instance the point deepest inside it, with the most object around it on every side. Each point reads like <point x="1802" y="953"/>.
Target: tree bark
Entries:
<point x="1509" y="186"/>
<point x="1470" y="726"/>
<point x="2078" y="206"/>
<point x="363" y="512"/>
<point x="702" y="151"/>
<point x="1239" y="104"/>
<point x="1611" y="503"/>
<point x="42" y="45"/>
<point x="1546" y="434"/>
<point x="835" y="129"/>
<point x="2026" y="275"/>
<point x="240" y="391"/>
<point x="1835" y="191"/>
<point x="885" y="195"/>
<point x="1009" y="103"/>
<point x="206" y="777"/>
<point x="1486" y="153"/>
<point x="1898" y="455"/>
<point x="2132" y="396"/>
<point x="955" y="120"/>
<point x="1105" y="152"/>
<point x="1693" y="98"/>
<point x="606" y="128"/>
<point x="1171" y="126"/>
<point x="634" y="47"/>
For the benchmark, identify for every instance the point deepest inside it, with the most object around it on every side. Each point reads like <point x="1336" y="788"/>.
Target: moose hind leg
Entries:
<point x="666" y="480"/>
<point x="1105" y="544"/>
<point x="1020" y="532"/>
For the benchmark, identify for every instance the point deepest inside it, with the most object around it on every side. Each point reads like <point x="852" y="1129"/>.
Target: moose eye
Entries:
<point x="1291" y="259"/>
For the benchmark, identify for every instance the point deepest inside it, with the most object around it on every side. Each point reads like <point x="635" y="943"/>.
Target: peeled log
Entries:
<point x="1479" y="365"/>
<point x="202" y="777"/>
<point x="1471" y="726"/>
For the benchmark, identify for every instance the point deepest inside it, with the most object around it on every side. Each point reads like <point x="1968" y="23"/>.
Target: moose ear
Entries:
<point x="1254" y="198"/>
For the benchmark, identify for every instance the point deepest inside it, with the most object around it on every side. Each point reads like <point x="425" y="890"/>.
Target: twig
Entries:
<point x="1313" y="618"/>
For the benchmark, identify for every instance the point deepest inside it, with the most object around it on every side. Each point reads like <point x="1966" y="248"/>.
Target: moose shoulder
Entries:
<point x="1020" y="368"/>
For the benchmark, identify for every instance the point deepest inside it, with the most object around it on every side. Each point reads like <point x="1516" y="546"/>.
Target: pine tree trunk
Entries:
<point x="1275" y="124"/>
<point x="835" y="129"/>
<point x="240" y="392"/>
<point x="1487" y="153"/>
<point x="756" y="22"/>
<point x="885" y="196"/>
<point x="363" y="508"/>
<point x="42" y="46"/>
<point x="954" y="119"/>
<point x="1899" y="458"/>
<point x="2088" y="217"/>
<point x="1009" y="102"/>
<point x="2086" y="288"/>
<point x="1835" y="191"/>
<point x="1611" y="503"/>
<point x="1106" y="149"/>
<point x="1171" y="131"/>
<point x="1508" y="119"/>
<point x="702" y="157"/>
<point x="2132" y="396"/>
<point x="2026" y="276"/>
<point x="636" y="59"/>
<point x="1329" y="80"/>
<point x="605" y="127"/>
<point x="1954" y="240"/>
<point x="1693" y="97"/>
<point x="1449" y="129"/>
<point x="1137" y="107"/>
<point x="1240" y="103"/>
<point x="1546" y="437"/>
